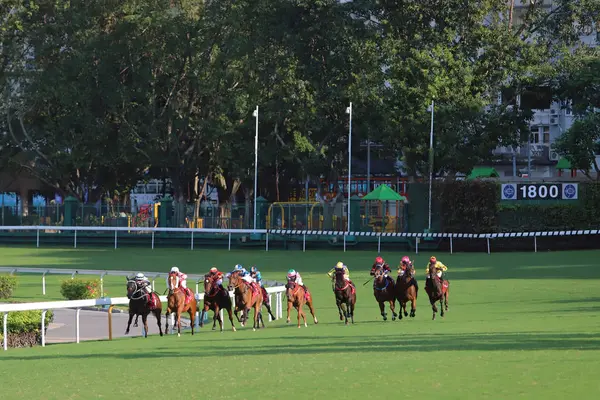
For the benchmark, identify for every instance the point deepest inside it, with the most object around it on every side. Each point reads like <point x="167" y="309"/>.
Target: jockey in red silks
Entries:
<point x="217" y="275"/>
<point x="404" y="264"/>
<point x="182" y="280"/>
<point x="380" y="262"/>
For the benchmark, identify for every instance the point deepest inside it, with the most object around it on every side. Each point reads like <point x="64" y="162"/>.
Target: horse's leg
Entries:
<point x="157" y="315"/>
<point x="135" y="323"/>
<point x="382" y="309"/>
<point x="344" y="308"/>
<point x="269" y="311"/>
<point x="256" y="312"/>
<point x="230" y="313"/>
<point x="312" y="310"/>
<point x="303" y="315"/>
<point x="145" y="323"/>
<point x="299" y="310"/>
<point x="218" y="314"/>
<point x="442" y="306"/>
<point x="192" y="312"/>
<point x="178" y="322"/>
<point x="167" y="314"/>
<point x="289" y="308"/>
<point x="433" y="307"/>
<point x="393" y="308"/>
<point x="351" y="307"/>
<point x="339" y="306"/>
<point x="129" y="322"/>
<point x="446" y="298"/>
<point x="204" y="311"/>
<point x="413" y="306"/>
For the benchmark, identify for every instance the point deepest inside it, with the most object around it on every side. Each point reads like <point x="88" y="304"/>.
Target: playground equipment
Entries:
<point x="295" y="215"/>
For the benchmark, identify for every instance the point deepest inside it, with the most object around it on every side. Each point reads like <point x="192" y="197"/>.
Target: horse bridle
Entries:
<point x="138" y="289"/>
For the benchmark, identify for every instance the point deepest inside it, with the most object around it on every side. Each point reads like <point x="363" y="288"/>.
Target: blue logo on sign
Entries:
<point x="570" y="191"/>
<point x="509" y="191"/>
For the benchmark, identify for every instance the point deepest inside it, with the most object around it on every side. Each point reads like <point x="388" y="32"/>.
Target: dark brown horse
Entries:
<point x="216" y="299"/>
<point x="345" y="296"/>
<point x="437" y="291"/>
<point x="406" y="291"/>
<point x="138" y="305"/>
<point x="177" y="303"/>
<point x="297" y="296"/>
<point x="384" y="290"/>
<point x="251" y="297"/>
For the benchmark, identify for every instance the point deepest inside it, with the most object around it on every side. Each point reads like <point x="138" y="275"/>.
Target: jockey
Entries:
<point x="295" y="277"/>
<point x="217" y="275"/>
<point x="380" y="262"/>
<point x="143" y="282"/>
<point x="406" y="263"/>
<point x="246" y="276"/>
<point x="182" y="280"/>
<point x="342" y="266"/>
<point x="255" y="274"/>
<point x="439" y="267"/>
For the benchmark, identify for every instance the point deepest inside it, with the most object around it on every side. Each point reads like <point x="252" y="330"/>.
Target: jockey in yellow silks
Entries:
<point x="439" y="267"/>
<point x="340" y="266"/>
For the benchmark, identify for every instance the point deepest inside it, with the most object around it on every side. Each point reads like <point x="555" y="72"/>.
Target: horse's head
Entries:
<point x="234" y="280"/>
<point x="290" y="286"/>
<point x="131" y="287"/>
<point x="378" y="273"/>
<point x="172" y="282"/>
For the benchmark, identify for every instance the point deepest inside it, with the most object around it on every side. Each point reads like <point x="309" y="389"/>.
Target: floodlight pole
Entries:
<point x="349" y="112"/>
<point x="255" y="114"/>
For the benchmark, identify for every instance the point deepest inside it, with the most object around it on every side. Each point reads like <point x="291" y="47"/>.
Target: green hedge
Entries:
<point x="474" y="207"/>
<point x="24" y="328"/>
<point x="8" y="284"/>
<point x="80" y="289"/>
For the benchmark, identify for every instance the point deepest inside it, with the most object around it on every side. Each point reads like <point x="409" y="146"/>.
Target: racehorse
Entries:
<point x="216" y="299"/>
<point x="138" y="305"/>
<point x="345" y="296"/>
<point x="297" y="296"/>
<point x="406" y="291"/>
<point x="250" y="297"/>
<point x="437" y="290"/>
<point x="177" y="303"/>
<point x="384" y="290"/>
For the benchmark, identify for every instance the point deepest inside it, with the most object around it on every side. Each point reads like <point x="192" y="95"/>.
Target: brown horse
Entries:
<point x="216" y="299"/>
<point x="297" y="296"/>
<point x="251" y="297"/>
<point x="406" y="291"/>
<point x="437" y="291"/>
<point x="177" y="303"/>
<point x="384" y="290"/>
<point x="138" y="305"/>
<point x="345" y="296"/>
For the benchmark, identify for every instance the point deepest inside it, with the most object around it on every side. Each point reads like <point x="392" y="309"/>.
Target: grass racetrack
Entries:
<point x="519" y="325"/>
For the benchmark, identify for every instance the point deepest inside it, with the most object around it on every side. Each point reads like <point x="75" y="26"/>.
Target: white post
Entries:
<point x="192" y="241"/>
<point x="451" y="246"/>
<point x="5" y="323"/>
<point x="77" y="324"/>
<point x="229" y="246"/>
<point x="152" y="240"/>
<point x="75" y="240"/>
<point x="221" y="314"/>
<point x="197" y="321"/>
<point x="303" y="245"/>
<point x="172" y="322"/>
<point x="430" y="164"/>
<point x="488" y="245"/>
<point x="344" y="243"/>
<point x="270" y="302"/>
<point x="417" y="245"/>
<point x="535" y="243"/>
<point x="44" y="328"/>
<point x="255" y="114"/>
<point x="379" y="244"/>
<point x="197" y="287"/>
<point x="44" y="283"/>
<point x="279" y="306"/>
<point x="143" y="330"/>
<point x="267" y="244"/>
<point x="115" y="238"/>
<point x="349" y="112"/>
<point x="38" y="238"/>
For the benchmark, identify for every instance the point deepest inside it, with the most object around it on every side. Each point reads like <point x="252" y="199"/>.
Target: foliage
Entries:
<point x="469" y="206"/>
<point x="8" y="284"/>
<point x="24" y="327"/>
<point x="80" y="289"/>
<point x="581" y="142"/>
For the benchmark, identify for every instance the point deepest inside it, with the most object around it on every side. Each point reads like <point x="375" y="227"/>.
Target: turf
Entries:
<point x="520" y="325"/>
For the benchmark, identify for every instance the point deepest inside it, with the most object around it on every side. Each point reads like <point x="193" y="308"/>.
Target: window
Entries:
<point x="536" y="98"/>
<point x="534" y="138"/>
<point x="546" y="134"/>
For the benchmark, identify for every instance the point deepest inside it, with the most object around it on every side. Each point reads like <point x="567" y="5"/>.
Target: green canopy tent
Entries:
<point x="563" y="163"/>
<point x="382" y="194"/>
<point x="483" y="172"/>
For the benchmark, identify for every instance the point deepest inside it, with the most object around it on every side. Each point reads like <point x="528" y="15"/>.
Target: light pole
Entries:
<point x="349" y="112"/>
<point x="255" y="114"/>
<point x="430" y="108"/>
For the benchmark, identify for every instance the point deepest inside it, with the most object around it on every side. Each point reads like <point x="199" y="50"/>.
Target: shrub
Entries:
<point x="8" y="284"/>
<point x="24" y="328"/>
<point x="80" y="289"/>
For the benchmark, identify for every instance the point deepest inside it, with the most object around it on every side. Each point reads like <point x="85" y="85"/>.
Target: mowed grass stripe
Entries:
<point x="514" y="330"/>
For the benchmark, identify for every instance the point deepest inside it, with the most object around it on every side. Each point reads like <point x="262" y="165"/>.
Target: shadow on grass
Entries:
<point x="510" y="341"/>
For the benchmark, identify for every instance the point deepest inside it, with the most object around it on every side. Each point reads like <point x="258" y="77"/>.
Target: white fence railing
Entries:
<point x="79" y="304"/>
<point x="345" y="237"/>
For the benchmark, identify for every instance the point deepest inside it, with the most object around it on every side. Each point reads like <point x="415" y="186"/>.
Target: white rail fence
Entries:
<point x="345" y="237"/>
<point x="79" y="304"/>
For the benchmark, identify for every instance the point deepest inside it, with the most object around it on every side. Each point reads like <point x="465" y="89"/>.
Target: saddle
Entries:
<point x="153" y="301"/>
<point x="188" y="295"/>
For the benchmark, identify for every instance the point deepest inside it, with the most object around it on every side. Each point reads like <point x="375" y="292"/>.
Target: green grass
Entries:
<point x="520" y="325"/>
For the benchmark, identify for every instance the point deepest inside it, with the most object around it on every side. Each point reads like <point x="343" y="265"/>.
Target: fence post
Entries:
<point x="417" y="245"/>
<point x="344" y="242"/>
<point x="535" y="243"/>
<point x="110" y="308"/>
<point x="379" y="243"/>
<point x="153" y="279"/>
<point x="451" y="246"/>
<point x="44" y="328"/>
<point x="303" y="249"/>
<point x="197" y="282"/>
<point x="229" y="245"/>
<point x="4" y="323"/>
<point x="488" y="244"/>
<point x="152" y="240"/>
<point x="77" y="324"/>
<point x="44" y="282"/>
<point x="115" y="238"/>
<point x="192" y="241"/>
<point x="75" y="239"/>
<point x="267" y="244"/>
<point x="102" y="283"/>
<point x="73" y="275"/>
<point x="270" y="302"/>
<point x="38" y="237"/>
